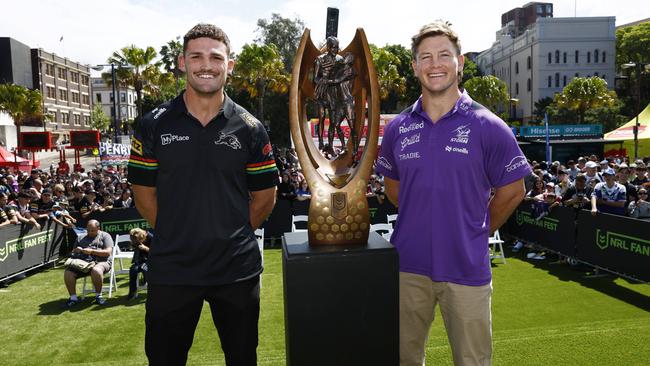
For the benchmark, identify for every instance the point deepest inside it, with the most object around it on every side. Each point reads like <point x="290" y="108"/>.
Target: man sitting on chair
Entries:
<point x="99" y="246"/>
<point x="140" y="241"/>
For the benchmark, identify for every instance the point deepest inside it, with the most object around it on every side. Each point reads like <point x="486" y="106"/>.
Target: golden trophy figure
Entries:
<point x="343" y="85"/>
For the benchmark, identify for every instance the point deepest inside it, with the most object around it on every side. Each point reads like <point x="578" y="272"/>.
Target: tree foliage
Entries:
<point x="98" y="119"/>
<point x="583" y="94"/>
<point x="260" y="68"/>
<point x="284" y="33"/>
<point x="633" y="44"/>
<point x="21" y="104"/>
<point x="387" y="66"/>
<point x="491" y="92"/>
<point x="470" y="70"/>
<point x="169" y="59"/>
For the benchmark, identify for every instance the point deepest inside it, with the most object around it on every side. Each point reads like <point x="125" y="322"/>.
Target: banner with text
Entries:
<point x="114" y="154"/>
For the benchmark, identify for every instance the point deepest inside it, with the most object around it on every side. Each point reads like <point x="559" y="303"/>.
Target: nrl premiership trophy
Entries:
<point x="343" y="87"/>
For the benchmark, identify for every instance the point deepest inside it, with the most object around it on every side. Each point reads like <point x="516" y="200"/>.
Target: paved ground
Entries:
<point x="48" y="157"/>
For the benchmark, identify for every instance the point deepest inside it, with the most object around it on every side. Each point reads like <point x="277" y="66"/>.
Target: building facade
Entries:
<point x="541" y="60"/>
<point x="65" y="86"/>
<point x="102" y="94"/>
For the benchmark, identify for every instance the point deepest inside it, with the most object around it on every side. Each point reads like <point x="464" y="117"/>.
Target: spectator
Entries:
<point x="141" y="242"/>
<point x="641" y="177"/>
<point x="378" y="191"/>
<point x="96" y="246"/>
<point x="59" y="194"/>
<point x="562" y="182"/>
<point x="623" y="176"/>
<point x="41" y="208"/>
<point x="640" y="209"/>
<point x="88" y="205"/>
<point x="62" y="217"/>
<point x="78" y="198"/>
<point x="7" y="213"/>
<point x="29" y="182"/>
<point x="578" y="195"/>
<point x="23" y="210"/>
<point x="286" y="190"/>
<point x="609" y="196"/>
<point x="591" y="173"/>
<point x="303" y="193"/>
<point x="572" y="170"/>
<point x="538" y="188"/>
<point x="125" y="200"/>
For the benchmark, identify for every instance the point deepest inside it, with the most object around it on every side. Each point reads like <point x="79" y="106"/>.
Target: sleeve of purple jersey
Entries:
<point x="386" y="164"/>
<point x="505" y="161"/>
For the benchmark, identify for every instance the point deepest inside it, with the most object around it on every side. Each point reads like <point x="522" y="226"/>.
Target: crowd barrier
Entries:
<point x="23" y="247"/>
<point x="614" y="243"/>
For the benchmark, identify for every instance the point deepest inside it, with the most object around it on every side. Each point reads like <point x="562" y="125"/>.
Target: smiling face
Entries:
<point x="437" y="66"/>
<point x="206" y="65"/>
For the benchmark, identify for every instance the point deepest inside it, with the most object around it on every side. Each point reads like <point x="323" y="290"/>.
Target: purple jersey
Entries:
<point x="446" y="171"/>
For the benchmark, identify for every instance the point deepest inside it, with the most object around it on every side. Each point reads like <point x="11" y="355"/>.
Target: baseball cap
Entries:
<point x="604" y="162"/>
<point x="47" y="191"/>
<point x="550" y="184"/>
<point x="609" y="171"/>
<point x="591" y="164"/>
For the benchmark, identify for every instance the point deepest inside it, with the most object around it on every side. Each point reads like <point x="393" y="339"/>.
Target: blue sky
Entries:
<point x="92" y="30"/>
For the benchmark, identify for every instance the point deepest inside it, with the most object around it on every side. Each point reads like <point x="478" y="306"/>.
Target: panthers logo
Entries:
<point x="229" y="140"/>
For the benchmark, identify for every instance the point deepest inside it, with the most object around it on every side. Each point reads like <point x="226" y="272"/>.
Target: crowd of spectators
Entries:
<point x="41" y="195"/>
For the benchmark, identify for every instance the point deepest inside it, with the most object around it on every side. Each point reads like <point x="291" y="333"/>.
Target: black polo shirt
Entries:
<point x="202" y="176"/>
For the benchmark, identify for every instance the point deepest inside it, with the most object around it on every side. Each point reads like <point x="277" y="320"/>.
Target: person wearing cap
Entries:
<point x="591" y="173"/>
<point x="604" y="164"/>
<point x="641" y="177"/>
<point x="562" y="182"/>
<point x="609" y="196"/>
<point x="42" y="207"/>
<point x="578" y="195"/>
<point x="88" y="205"/>
<point x="572" y="170"/>
<point x="61" y="216"/>
<point x="23" y="209"/>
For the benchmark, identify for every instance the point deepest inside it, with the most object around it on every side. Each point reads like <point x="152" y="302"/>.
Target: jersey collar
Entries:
<point x="463" y="106"/>
<point x="228" y="107"/>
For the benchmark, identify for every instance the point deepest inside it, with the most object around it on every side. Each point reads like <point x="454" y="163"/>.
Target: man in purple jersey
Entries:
<point x="441" y="159"/>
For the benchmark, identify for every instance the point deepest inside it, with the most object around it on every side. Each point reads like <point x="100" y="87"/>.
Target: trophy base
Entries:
<point x="341" y="303"/>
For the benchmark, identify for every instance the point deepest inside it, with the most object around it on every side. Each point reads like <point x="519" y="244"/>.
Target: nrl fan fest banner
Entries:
<point x="114" y="154"/>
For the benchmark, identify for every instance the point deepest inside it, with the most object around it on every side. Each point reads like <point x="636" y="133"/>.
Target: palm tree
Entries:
<point x="169" y="54"/>
<point x="21" y="104"/>
<point x="258" y="69"/>
<point x="583" y="94"/>
<point x="135" y="67"/>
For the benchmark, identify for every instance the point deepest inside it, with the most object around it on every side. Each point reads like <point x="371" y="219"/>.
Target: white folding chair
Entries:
<point x="124" y="238"/>
<point x="259" y="235"/>
<point x="385" y="230"/>
<point x="496" y="247"/>
<point x="112" y="282"/>
<point x="391" y="219"/>
<point x="298" y="218"/>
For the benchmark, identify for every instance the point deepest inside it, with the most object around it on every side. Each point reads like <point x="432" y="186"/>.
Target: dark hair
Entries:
<point x="202" y="30"/>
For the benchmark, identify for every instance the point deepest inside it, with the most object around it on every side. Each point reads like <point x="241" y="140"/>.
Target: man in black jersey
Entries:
<point x="206" y="251"/>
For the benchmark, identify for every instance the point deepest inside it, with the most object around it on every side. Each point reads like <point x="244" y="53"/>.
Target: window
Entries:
<point x="517" y="88"/>
<point x="596" y="56"/>
<point x="111" y="97"/>
<point x="98" y="97"/>
<point x="557" y="56"/>
<point x="85" y="99"/>
<point x="51" y="92"/>
<point x="130" y="98"/>
<point x="112" y="111"/>
<point x="87" y="120"/>
<point x="604" y="54"/>
<point x="74" y="77"/>
<point x="577" y="53"/>
<point x="65" y="118"/>
<point x="63" y="95"/>
<point x="122" y="97"/>
<point x="516" y="67"/>
<point x="528" y="85"/>
<point x="549" y="57"/>
<point x="77" y="119"/>
<point x="550" y="81"/>
<point x="84" y="80"/>
<point x="604" y="77"/>
<point x="588" y="57"/>
<point x="596" y="74"/>
<point x="49" y="69"/>
<point x="75" y="97"/>
<point x="557" y="79"/>
<point x="577" y="75"/>
<point x="564" y="80"/>
<point x="63" y="74"/>
<point x="528" y="65"/>
<point x="564" y="57"/>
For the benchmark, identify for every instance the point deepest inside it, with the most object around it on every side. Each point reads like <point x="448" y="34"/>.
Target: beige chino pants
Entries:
<point x="466" y="312"/>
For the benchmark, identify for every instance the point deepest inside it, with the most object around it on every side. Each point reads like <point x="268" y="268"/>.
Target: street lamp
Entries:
<point x="638" y="66"/>
<point x="116" y="112"/>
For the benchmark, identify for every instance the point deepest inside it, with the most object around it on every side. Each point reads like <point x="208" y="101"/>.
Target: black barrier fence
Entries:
<point x="614" y="243"/>
<point x="23" y="247"/>
<point x="115" y="221"/>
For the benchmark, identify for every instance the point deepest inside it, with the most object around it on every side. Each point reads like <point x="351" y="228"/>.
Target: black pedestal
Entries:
<point x="341" y="304"/>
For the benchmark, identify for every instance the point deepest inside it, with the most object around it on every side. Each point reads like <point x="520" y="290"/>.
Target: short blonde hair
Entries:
<point x="138" y="234"/>
<point x="437" y="28"/>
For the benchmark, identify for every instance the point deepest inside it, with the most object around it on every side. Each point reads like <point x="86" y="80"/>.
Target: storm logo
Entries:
<point x="462" y="134"/>
<point x="515" y="163"/>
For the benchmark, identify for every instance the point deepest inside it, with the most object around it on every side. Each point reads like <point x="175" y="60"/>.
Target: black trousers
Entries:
<point x="173" y="313"/>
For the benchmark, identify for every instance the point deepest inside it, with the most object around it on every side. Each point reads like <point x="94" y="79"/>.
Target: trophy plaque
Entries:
<point x="343" y="87"/>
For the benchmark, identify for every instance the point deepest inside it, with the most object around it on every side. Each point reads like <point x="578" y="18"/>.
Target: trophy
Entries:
<point x="343" y="86"/>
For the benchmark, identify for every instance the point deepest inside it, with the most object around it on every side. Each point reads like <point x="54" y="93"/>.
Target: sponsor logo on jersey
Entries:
<point x="248" y="118"/>
<point x="267" y="149"/>
<point x="412" y="127"/>
<point x="169" y="138"/>
<point x="136" y="145"/>
<point x="408" y="141"/>
<point x="462" y="150"/>
<point x="384" y="162"/>
<point x="409" y="156"/>
<point x="229" y="140"/>
<point x="515" y="163"/>
<point x="462" y="135"/>
<point x="158" y="112"/>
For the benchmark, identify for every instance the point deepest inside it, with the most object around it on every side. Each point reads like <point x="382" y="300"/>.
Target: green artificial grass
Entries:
<point x="543" y="314"/>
